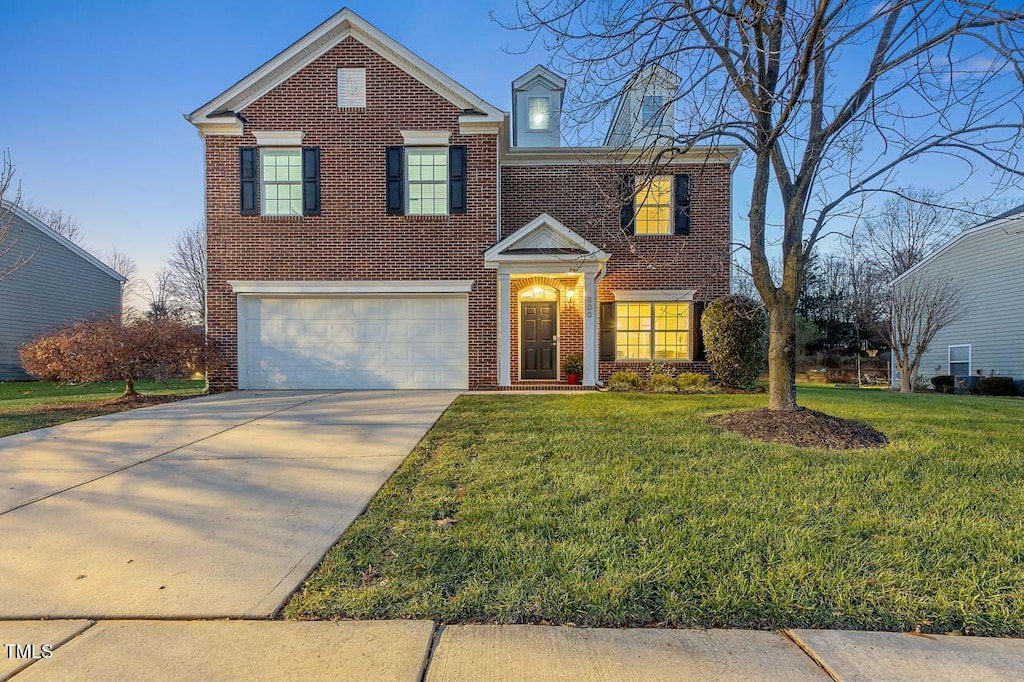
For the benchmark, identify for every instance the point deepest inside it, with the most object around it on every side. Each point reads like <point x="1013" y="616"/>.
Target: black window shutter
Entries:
<point x="310" y="181"/>
<point x="607" y="346"/>
<point x="457" y="179"/>
<point x="699" y="354"/>
<point x="247" y="180"/>
<point x="395" y="181"/>
<point x="627" y="212"/>
<point x="682" y="208"/>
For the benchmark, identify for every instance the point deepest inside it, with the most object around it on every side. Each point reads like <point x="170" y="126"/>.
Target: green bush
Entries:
<point x="624" y="381"/>
<point x="662" y="383"/>
<point x="574" y="363"/>
<point x="694" y="382"/>
<point x="943" y="383"/>
<point x="996" y="386"/>
<point x="734" y="337"/>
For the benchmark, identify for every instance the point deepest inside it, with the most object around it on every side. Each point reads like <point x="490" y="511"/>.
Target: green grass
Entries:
<point x="612" y="509"/>
<point x="28" y="405"/>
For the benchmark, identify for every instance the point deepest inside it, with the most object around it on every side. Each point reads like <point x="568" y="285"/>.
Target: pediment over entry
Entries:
<point x="543" y="240"/>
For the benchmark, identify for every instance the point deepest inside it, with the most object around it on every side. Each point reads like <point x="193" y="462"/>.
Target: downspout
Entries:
<point x="732" y="170"/>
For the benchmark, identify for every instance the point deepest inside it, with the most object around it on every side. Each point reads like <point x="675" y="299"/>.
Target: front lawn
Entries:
<point x="610" y="509"/>
<point x="27" y="405"/>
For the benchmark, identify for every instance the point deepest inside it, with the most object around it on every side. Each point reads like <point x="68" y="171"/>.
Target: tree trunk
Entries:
<point x="906" y="381"/>
<point x="781" y="357"/>
<point x="129" y="388"/>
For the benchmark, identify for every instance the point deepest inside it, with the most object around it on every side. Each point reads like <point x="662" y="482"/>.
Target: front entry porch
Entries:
<point x="547" y="304"/>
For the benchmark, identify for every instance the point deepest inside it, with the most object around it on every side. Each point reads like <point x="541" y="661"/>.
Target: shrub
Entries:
<point x="659" y="367"/>
<point x="734" y="337"/>
<point x="624" y="381"/>
<point x="694" y="382"/>
<point x="574" y="363"/>
<point x="662" y="383"/>
<point x="996" y="386"/>
<point x="108" y="349"/>
<point x="943" y="383"/>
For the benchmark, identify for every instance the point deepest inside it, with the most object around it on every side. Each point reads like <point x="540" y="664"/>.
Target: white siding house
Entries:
<point x="988" y="340"/>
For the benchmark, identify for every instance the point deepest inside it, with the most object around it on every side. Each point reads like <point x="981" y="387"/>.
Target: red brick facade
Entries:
<point x="354" y="239"/>
<point x="583" y="198"/>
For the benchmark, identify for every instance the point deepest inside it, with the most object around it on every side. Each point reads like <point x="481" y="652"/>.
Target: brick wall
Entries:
<point x="353" y="238"/>
<point x="584" y="199"/>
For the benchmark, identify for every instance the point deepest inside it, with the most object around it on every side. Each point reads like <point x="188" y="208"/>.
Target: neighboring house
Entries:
<point x="987" y="261"/>
<point x="369" y="226"/>
<point x="58" y="282"/>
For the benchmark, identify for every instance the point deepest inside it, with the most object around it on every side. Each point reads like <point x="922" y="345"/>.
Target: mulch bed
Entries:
<point x="803" y="428"/>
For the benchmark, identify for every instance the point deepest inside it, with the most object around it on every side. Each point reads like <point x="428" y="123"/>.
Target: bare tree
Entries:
<point x="11" y="256"/>
<point x="907" y="229"/>
<point x="62" y="223"/>
<point x="829" y="99"/>
<point x="124" y="265"/>
<point x="920" y="306"/>
<point x="161" y="298"/>
<point x="187" y="264"/>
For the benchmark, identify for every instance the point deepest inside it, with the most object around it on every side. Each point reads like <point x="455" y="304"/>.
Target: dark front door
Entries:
<point x="539" y="321"/>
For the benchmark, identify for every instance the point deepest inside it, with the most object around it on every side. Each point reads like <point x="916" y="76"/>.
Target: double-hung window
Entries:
<point x="539" y="113"/>
<point x="652" y="110"/>
<point x="960" y="360"/>
<point x="281" y="181"/>
<point x="646" y="331"/>
<point x="427" y="180"/>
<point x="654" y="206"/>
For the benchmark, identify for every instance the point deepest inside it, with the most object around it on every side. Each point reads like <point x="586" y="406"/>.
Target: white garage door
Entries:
<point x="354" y="342"/>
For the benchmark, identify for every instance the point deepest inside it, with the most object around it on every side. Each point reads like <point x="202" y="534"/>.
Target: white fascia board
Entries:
<point x="666" y="295"/>
<point x="542" y="267"/>
<point x="319" y="41"/>
<point x="426" y="138"/>
<point x="225" y="127"/>
<point x="477" y="124"/>
<point x="352" y="287"/>
<point x="544" y="220"/>
<point x="278" y="138"/>
<point x="61" y="239"/>
<point x="569" y="156"/>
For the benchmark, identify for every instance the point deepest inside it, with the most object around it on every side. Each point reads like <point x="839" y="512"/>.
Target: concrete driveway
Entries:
<point x="206" y="508"/>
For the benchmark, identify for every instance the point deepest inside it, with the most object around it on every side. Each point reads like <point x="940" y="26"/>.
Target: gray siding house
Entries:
<point x="59" y="282"/>
<point x="988" y="340"/>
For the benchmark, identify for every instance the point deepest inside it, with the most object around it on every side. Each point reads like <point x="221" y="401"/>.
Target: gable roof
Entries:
<point x="222" y="109"/>
<point x="539" y="73"/>
<point x="1015" y="216"/>
<point x="32" y="221"/>
<point x="543" y="238"/>
<point x="651" y="75"/>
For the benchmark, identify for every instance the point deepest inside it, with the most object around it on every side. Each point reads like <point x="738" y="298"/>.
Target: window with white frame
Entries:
<point x="538" y="113"/>
<point x="427" y="179"/>
<point x="652" y="330"/>
<point x="652" y="110"/>
<point x="654" y="206"/>
<point x="281" y="188"/>
<point x="960" y="360"/>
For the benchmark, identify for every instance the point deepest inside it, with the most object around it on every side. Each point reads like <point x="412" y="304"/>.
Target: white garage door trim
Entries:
<point x="250" y="291"/>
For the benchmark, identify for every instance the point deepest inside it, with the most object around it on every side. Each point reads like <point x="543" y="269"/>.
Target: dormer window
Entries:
<point x="539" y="113"/>
<point x="652" y="110"/>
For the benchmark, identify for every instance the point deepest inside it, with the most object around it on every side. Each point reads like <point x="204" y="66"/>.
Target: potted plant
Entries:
<point x="573" y="368"/>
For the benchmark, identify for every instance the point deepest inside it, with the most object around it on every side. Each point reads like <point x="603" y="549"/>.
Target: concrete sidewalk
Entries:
<point x="415" y="650"/>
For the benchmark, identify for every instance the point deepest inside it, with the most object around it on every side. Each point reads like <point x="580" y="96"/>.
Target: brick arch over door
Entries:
<point x="570" y="316"/>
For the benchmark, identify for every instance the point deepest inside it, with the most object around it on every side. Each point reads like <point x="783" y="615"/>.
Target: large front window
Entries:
<point x="428" y="180"/>
<point x="282" y="181"/>
<point x="654" y="206"/>
<point x="652" y="330"/>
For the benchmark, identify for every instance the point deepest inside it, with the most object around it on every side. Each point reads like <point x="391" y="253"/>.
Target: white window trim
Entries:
<point x="263" y="183"/>
<point x="529" y="125"/>
<point x="671" y="208"/>
<point x="278" y="138"/>
<point x="950" y="361"/>
<point x="653" y="302"/>
<point x="426" y="138"/>
<point x="661" y="296"/>
<point x="408" y="183"/>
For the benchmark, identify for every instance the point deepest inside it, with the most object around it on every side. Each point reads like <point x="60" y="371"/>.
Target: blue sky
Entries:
<point x="94" y="95"/>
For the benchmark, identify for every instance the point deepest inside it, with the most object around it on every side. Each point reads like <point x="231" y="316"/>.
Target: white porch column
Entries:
<point x="504" y="329"/>
<point x="590" y="329"/>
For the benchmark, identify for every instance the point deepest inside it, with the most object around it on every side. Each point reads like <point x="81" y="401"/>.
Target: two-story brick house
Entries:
<point x="371" y="226"/>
